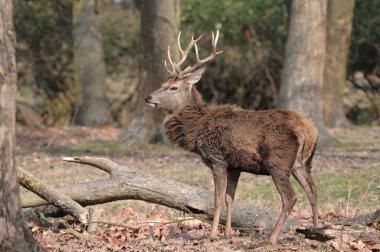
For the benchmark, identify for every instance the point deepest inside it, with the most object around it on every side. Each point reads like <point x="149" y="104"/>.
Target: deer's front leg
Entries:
<point x="220" y="181"/>
<point x="232" y="181"/>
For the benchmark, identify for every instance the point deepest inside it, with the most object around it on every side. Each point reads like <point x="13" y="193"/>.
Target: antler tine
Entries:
<point x="196" y="53"/>
<point x="168" y="70"/>
<point x="173" y="71"/>
<point x="176" y="67"/>
<point x="213" y="38"/>
<point x="215" y="42"/>
<point x="179" y="42"/>
<point x="184" y="53"/>
<point x="199" y="62"/>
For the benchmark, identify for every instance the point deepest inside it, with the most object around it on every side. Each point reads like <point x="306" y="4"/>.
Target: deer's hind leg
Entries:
<point x="280" y="163"/>
<point x="301" y="172"/>
<point x="288" y="197"/>
<point x="304" y="179"/>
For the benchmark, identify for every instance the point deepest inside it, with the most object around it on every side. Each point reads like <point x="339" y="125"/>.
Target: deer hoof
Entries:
<point x="264" y="243"/>
<point x="318" y="225"/>
<point x="271" y="241"/>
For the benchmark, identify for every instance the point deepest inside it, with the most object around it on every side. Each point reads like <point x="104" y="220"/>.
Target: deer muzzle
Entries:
<point x="148" y="100"/>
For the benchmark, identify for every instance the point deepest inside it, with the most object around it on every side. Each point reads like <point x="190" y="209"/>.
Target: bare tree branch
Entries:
<point x="51" y="195"/>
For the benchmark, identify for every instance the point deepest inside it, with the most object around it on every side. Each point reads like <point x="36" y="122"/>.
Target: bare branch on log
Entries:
<point x="129" y="184"/>
<point x="101" y="163"/>
<point x="51" y="195"/>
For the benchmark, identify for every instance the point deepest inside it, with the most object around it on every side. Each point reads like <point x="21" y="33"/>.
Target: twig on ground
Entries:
<point x="115" y="224"/>
<point x="72" y="232"/>
<point x="348" y="199"/>
<point x="365" y="193"/>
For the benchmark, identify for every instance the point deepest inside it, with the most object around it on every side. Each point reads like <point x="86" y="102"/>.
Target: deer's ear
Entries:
<point x="195" y="76"/>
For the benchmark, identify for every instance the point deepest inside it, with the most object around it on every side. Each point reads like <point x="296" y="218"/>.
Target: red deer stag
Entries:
<point x="232" y="140"/>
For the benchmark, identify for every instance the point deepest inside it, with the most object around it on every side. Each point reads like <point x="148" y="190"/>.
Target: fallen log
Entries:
<point x="351" y="234"/>
<point x="375" y="220"/>
<point x="125" y="183"/>
<point x="352" y="231"/>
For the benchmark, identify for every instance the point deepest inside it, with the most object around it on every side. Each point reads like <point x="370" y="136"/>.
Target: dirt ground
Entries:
<point x="347" y="176"/>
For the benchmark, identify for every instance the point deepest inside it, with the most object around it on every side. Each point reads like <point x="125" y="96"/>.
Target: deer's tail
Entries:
<point x="309" y="146"/>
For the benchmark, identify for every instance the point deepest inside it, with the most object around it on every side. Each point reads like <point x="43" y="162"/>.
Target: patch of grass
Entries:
<point x="99" y="148"/>
<point x="257" y="189"/>
<point x="354" y="186"/>
<point x="88" y="148"/>
<point x="345" y="144"/>
<point x="334" y="188"/>
<point x="82" y="149"/>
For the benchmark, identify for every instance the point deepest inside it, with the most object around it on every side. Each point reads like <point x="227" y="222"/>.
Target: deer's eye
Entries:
<point x="173" y="88"/>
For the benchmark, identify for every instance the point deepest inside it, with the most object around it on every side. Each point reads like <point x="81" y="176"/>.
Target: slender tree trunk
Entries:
<point x="90" y="67"/>
<point x="339" y="23"/>
<point x="302" y="75"/>
<point x="158" y="30"/>
<point x="14" y="234"/>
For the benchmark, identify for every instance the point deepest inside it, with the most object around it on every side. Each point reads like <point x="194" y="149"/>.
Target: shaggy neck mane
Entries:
<point x="183" y="127"/>
<point x="197" y="101"/>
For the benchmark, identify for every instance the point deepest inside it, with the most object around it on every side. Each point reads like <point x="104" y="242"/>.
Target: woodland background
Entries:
<point x="253" y="36"/>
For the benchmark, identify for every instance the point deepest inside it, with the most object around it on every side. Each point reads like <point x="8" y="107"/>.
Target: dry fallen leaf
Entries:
<point x="342" y="244"/>
<point x="357" y="245"/>
<point x="374" y="247"/>
<point x="331" y="215"/>
<point x="35" y="228"/>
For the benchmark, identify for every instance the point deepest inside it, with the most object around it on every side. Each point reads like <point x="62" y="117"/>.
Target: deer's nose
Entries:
<point x="147" y="98"/>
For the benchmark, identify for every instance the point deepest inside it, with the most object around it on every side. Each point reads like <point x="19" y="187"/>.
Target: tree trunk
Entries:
<point x="302" y="75"/>
<point x="339" y="22"/>
<point x="90" y="67"/>
<point x="128" y="184"/>
<point x="14" y="234"/>
<point x="158" y="30"/>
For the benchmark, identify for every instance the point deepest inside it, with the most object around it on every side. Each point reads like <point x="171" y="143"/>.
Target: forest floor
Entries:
<point x="347" y="176"/>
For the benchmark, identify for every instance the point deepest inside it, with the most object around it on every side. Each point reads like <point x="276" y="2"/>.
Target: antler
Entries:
<point x="176" y="67"/>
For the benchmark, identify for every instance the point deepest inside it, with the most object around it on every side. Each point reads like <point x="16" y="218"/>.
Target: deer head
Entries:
<point x="176" y="92"/>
